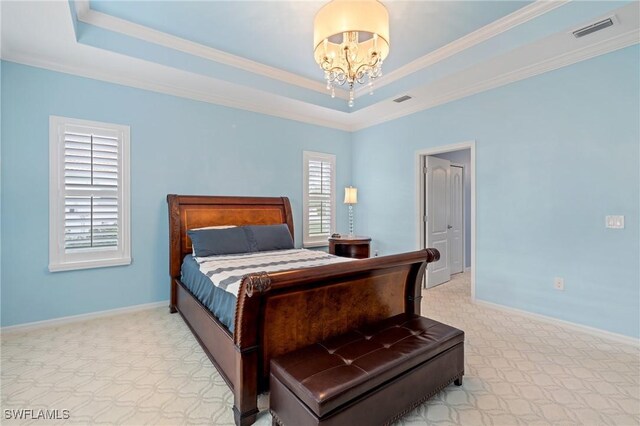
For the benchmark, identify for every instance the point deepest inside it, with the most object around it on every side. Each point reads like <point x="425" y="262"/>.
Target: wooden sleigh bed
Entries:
<point x="282" y="311"/>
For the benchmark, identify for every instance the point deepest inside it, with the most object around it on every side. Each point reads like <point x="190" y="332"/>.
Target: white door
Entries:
<point x="437" y="206"/>
<point x="456" y="240"/>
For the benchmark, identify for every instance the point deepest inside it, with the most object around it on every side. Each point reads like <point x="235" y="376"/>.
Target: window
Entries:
<point x="88" y="194"/>
<point x="319" y="186"/>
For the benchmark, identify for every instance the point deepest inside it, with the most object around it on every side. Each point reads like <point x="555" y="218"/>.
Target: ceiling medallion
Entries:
<point x="351" y="40"/>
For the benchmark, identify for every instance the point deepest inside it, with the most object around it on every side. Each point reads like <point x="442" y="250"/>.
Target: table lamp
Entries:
<point x="351" y="198"/>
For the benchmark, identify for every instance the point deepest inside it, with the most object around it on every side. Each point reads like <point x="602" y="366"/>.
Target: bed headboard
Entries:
<point x="197" y="211"/>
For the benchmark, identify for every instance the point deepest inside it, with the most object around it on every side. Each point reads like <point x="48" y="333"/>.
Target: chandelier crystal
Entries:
<point x="351" y="39"/>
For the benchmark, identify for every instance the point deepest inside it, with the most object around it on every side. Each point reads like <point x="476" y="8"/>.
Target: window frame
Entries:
<point x="59" y="259"/>
<point x="307" y="240"/>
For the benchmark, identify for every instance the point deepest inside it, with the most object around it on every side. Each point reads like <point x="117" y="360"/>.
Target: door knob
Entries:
<point x="449" y="226"/>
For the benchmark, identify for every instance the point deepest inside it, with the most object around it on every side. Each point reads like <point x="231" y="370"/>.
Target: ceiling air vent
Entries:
<point x="600" y="25"/>
<point x="402" y="99"/>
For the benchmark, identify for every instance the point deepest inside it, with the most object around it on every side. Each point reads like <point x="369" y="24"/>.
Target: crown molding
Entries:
<point x="519" y="17"/>
<point x="620" y="41"/>
<point x="273" y="105"/>
<point x="60" y="52"/>
<point x="88" y="16"/>
<point x="348" y="122"/>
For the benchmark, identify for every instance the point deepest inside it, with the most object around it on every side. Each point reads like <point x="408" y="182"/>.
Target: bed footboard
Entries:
<point x="284" y="311"/>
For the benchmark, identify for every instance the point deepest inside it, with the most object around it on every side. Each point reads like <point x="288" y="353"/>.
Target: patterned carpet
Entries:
<point x="147" y="368"/>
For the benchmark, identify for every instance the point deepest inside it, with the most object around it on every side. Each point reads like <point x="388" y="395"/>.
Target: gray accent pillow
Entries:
<point x="241" y="239"/>
<point x="193" y="248"/>
<point x="214" y="242"/>
<point x="269" y="237"/>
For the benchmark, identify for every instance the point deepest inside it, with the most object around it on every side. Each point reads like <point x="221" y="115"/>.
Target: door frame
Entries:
<point x="464" y="209"/>
<point x="420" y="190"/>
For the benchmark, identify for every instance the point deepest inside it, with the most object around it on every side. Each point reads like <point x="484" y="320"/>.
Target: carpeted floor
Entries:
<point x="147" y="368"/>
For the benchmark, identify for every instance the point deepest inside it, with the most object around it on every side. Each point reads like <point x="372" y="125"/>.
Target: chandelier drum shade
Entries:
<point x="351" y="40"/>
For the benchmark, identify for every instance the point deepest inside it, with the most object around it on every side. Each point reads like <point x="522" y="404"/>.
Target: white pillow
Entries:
<point x="193" y="249"/>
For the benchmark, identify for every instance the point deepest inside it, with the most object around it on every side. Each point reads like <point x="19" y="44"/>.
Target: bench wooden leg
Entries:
<point x="458" y="382"/>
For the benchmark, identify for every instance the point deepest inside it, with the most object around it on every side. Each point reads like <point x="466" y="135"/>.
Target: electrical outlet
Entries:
<point x="558" y="283"/>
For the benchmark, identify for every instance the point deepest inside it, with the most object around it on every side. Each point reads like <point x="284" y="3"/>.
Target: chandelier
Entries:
<point x="351" y="39"/>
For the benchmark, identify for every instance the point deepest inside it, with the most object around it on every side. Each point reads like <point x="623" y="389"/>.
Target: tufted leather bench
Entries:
<point x="366" y="377"/>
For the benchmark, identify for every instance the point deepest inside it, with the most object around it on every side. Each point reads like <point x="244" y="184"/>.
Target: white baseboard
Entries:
<point x="466" y="269"/>
<point x="30" y="326"/>
<point x="619" y="338"/>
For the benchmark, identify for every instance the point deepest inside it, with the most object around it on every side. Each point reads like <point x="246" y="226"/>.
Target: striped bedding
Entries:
<point x="226" y="272"/>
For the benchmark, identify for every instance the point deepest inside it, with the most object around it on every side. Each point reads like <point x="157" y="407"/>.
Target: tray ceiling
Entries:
<point x="258" y="55"/>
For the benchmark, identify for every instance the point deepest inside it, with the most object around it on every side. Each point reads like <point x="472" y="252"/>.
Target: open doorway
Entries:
<point x="446" y="210"/>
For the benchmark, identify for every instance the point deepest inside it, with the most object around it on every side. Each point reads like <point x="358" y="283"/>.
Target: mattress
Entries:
<point x="220" y="303"/>
<point x="215" y="280"/>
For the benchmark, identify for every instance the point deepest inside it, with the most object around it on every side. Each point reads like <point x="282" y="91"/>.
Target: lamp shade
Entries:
<point x="351" y="195"/>
<point x="343" y="16"/>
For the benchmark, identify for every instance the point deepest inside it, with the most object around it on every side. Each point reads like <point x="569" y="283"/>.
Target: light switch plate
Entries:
<point x="614" y="222"/>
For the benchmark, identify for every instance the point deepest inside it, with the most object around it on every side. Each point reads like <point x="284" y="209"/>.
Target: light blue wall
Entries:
<point x="177" y="146"/>
<point x="1" y="190"/>
<point x="555" y="154"/>
<point x="463" y="157"/>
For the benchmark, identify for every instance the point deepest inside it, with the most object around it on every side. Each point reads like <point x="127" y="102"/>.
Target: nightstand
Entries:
<point x="345" y="246"/>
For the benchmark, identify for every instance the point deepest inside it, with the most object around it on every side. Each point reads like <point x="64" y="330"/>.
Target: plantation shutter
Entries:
<point x="320" y="198"/>
<point x="89" y="194"/>
<point x="91" y="189"/>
